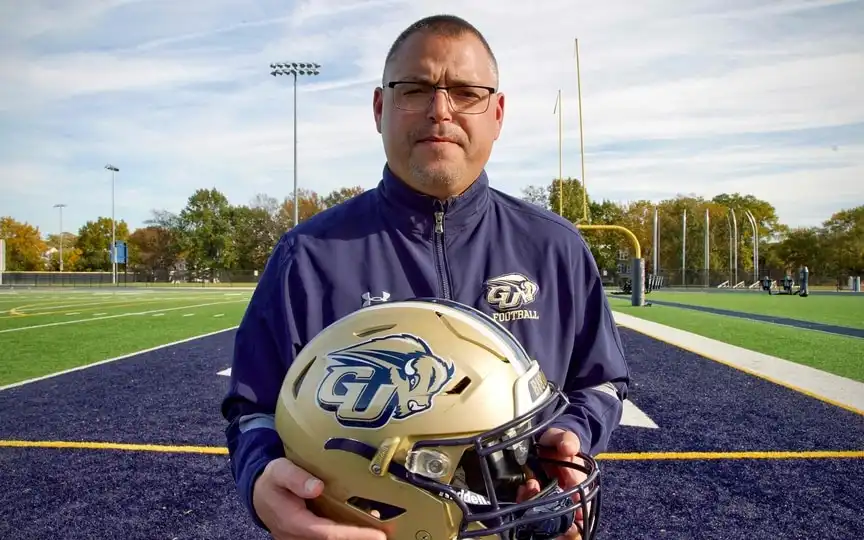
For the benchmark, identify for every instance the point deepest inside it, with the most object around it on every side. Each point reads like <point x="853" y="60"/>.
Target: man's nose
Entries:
<point x="439" y="108"/>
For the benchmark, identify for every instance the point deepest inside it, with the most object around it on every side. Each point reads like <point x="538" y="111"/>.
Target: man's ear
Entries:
<point x="499" y="113"/>
<point x="378" y="106"/>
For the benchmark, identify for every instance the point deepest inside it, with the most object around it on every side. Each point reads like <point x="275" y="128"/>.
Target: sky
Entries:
<point x="678" y="98"/>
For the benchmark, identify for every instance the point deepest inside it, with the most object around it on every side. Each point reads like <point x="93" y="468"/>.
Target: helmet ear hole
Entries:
<point x="377" y="509"/>
<point x="459" y="387"/>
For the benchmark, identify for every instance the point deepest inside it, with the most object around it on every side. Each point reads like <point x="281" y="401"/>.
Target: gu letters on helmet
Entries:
<point x="413" y="346"/>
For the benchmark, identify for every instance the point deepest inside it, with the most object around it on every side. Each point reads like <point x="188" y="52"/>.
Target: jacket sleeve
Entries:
<point x="598" y="376"/>
<point x="264" y="347"/>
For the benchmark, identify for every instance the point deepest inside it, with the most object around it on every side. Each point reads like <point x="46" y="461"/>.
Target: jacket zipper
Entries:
<point x="440" y="260"/>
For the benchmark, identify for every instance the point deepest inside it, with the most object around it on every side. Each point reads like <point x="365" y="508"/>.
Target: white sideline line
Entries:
<point x="114" y="316"/>
<point x="833" y="389"/>
<point x="100" y="362"/>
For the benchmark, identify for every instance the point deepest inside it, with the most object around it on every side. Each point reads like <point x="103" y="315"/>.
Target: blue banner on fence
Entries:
<point x="120" y="251"/>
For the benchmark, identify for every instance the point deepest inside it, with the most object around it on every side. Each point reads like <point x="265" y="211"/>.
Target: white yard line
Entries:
<point x="839" y="391"/>
<point x="99" y="363"/>
<point x="114" y="316"/>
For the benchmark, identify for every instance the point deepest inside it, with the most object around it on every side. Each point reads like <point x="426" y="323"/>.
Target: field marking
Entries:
<point x="100" y="362"/>
<point x="633" y="416"/>
<point x="691" y="456"/>
<point x="115" y="446"/>
<point x="607" y="456"/>
<point x="53" y="309"/>
<point x="114" y="316"/>
<point x="832" y="389"/>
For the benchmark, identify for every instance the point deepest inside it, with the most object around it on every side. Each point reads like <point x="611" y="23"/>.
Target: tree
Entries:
<point x="94" y="243"/>
<point x="538" y="195"/>
<point x="255" y="232"/>
<point x="310" y="204"/>
<point x="71" y="254"/>
<point x="341" y="195"/>
<point x="844" y="241"/>
<point x="205" y="227"/>
<point x="154" y="251"/>
<point x="24" y="245"/>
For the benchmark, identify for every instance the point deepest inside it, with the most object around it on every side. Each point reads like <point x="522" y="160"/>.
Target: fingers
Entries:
<point x="527" y="490"/>
<point x="291" y="477"/>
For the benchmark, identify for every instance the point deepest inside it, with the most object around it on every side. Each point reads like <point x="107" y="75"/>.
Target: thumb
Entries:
<point x="565" y="443"/>
<point x="295" y="479"/>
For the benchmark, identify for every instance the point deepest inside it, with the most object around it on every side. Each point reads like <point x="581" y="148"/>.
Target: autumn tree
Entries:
<point x="310" y="204"/>
<point x="154" y="251"/>
<point x="338" y="196"/>
<point x="71" y="254"/>
<point x="24" y="245"/>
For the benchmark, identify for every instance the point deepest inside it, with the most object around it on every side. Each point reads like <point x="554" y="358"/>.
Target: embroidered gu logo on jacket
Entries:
<point x="509" y="294"/>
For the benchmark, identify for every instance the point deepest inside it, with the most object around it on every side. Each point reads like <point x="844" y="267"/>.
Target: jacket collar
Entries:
<point x="419" y="209"/>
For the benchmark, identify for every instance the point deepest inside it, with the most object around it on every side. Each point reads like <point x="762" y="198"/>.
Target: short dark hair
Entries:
<point x="440" y="25"/>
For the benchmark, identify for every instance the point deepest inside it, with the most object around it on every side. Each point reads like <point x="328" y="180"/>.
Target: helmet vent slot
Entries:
<point x="374" y="330"/>
<point x="385" y="511"/>
<point x="459" y="387"/>
<point x="301" y="377"/>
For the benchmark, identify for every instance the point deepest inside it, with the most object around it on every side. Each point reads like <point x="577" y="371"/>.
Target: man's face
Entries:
<point x="463" y="142"/>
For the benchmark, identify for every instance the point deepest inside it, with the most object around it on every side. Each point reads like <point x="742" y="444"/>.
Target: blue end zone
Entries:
<point x="86" y="494"/>
<point x="172" y="396"/>
<point x="167" y="396"/>
<point x="702" y="405"/>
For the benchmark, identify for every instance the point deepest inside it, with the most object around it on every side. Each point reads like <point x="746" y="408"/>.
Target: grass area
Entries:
<point x="46" y="333"/>
<point x="839" y="355"/>
<point x="841" y="310"/>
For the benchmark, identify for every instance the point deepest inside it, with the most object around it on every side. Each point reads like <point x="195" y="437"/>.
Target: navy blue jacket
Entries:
<point x="525" y="266"/>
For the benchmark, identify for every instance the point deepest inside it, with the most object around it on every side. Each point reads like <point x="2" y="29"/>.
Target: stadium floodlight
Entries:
<point x="295" y="69"/>
<point x="113" y="170"/>
<point x="61" y="206"/>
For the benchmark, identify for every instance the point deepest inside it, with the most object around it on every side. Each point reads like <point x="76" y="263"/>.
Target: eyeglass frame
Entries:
<point x="492" y="90"/>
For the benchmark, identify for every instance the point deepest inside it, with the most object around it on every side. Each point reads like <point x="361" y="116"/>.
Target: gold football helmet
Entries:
<point x="421" y="417"/>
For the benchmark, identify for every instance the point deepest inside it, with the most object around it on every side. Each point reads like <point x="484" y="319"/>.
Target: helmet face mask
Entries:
<point x="448" y="479"/>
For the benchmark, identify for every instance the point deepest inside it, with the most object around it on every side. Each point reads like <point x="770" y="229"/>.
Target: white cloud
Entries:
<point x="699" y="97"/>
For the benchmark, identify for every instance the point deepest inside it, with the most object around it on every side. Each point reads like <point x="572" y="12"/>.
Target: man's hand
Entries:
<point x="560" y="445"/>
<point x="278" y="497"/>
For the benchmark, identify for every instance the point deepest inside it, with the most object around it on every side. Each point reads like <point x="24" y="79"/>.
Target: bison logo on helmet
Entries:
<point x="387" y="378"/>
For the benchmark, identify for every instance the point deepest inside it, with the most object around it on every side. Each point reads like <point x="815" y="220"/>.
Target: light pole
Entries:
<point x="61" y="206"/>
<point x="294" y="68"/>
<point x="113" y="170"/>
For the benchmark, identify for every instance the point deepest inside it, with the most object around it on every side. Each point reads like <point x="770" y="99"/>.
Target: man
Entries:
<point x="432" y="227"/>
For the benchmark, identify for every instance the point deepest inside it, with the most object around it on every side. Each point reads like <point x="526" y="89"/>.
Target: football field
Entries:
<point x="720" y="439"/>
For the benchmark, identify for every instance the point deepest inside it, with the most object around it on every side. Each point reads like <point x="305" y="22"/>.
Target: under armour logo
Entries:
<point x="368" y="299"/>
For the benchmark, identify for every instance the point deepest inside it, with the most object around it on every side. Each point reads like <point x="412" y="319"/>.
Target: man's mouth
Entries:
<point x="437" y="140"/>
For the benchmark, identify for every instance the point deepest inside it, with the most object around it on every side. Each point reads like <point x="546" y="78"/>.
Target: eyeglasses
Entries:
<point x="465" y="99"/>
